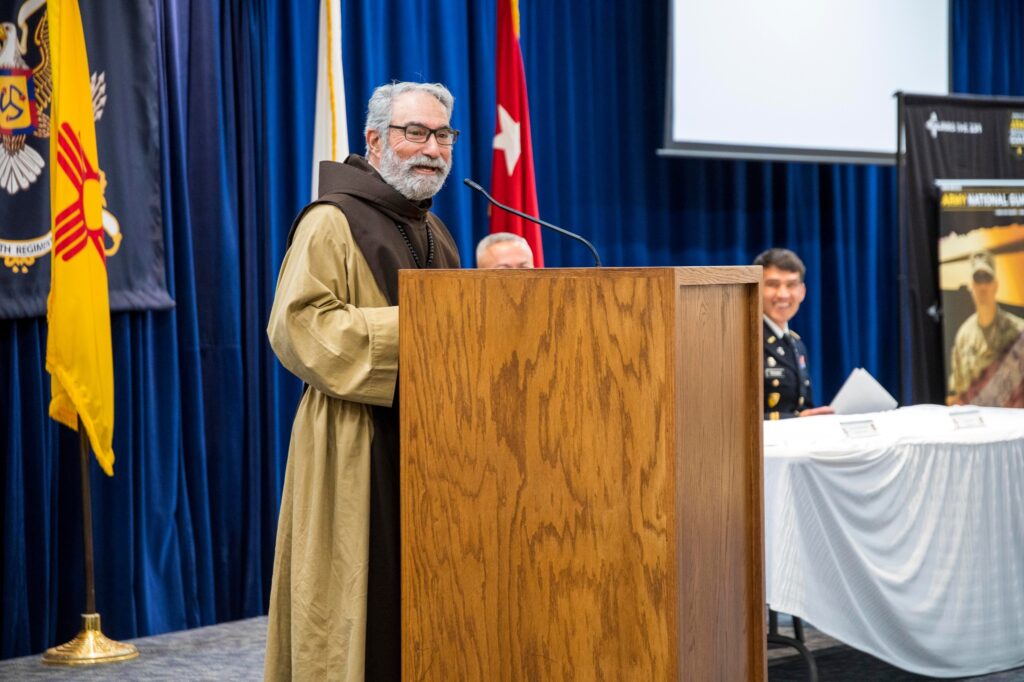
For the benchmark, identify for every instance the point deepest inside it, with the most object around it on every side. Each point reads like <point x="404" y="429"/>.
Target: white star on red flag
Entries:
<point x="508" y="140"/>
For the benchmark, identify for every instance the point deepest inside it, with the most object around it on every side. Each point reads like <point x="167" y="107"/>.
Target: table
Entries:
<point x="907" y="543"/>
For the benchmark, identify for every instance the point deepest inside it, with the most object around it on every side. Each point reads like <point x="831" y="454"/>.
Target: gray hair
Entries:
<point x="497" y="238"/>
<point x="379" y="109"/>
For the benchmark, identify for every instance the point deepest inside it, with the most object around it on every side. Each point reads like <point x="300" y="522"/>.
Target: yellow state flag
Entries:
<point x="78" y="355"/>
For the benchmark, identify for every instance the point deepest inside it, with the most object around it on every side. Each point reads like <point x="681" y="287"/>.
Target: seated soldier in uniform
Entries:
<point x="787" y="380"/>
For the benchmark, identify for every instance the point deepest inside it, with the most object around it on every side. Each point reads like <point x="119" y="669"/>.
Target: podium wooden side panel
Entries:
<point x="720" y="491"/>
<point x="564" y="514"/>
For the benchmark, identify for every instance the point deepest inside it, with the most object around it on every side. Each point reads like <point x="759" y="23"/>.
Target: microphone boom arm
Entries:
<point x="473" y="185"/>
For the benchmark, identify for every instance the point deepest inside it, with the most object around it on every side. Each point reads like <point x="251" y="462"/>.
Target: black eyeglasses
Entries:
<point x="419" y="134"/>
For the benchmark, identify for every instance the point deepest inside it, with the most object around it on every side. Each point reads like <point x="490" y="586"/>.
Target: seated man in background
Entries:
<point x="503" y="250"/>
<point x="787" y="380"/>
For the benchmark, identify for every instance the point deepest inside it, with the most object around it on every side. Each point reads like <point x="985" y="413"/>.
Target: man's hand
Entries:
<point x="815" y="411"/>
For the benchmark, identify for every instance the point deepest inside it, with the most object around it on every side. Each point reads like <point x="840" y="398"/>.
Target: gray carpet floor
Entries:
<point x="229" y="651"/>
<point x="234" y="651"/>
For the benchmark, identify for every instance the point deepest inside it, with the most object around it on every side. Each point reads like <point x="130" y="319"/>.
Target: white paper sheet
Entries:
<point x="861" y="393"/>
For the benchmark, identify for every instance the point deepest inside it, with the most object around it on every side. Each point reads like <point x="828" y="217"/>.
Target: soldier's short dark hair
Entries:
<point x="783" y="259"/>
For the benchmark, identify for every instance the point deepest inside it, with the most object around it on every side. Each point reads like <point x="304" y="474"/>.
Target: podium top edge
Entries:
<point x="689" y="276"/>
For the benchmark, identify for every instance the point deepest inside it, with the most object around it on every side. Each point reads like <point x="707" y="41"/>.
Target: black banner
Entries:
<point x="956" y="137"/>
<point x="121" y="42"/>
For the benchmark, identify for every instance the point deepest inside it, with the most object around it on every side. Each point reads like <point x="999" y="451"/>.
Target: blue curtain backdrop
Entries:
<point x="185" y="529"/>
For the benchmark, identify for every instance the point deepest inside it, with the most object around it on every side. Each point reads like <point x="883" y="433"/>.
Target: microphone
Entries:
<point x="476" y="187"/>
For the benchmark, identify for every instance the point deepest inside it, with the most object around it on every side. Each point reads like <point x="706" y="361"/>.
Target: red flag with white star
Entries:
<point x="512" y="179"/>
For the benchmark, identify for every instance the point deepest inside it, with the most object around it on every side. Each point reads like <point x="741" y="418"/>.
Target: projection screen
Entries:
<point x="799" y="80"/>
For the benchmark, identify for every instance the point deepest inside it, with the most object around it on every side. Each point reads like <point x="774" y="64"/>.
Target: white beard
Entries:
<point x="400" y="175"/>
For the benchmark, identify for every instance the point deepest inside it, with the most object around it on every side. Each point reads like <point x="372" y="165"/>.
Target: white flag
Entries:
<point x="330" y="132"/>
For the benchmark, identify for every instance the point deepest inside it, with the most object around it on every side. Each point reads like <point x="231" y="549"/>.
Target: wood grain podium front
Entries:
<point x="581" y="474"/>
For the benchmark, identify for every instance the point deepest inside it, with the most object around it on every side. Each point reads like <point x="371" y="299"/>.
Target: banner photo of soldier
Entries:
<point x="512" y="178"/>
<point x="330" y="128"/>
<point x="78" y="347"/>
<point x="121" y="45"/>
<point x="981" y="276"/>
<point x="945" y="137"/>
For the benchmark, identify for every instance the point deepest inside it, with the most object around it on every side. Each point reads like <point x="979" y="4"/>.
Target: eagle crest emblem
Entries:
<point x="26" y="91"/>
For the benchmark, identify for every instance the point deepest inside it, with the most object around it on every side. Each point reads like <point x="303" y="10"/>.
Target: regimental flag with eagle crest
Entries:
<point x="126" y="94"/>
<point x="25" y="94"/>
<point x="78" y="350"/>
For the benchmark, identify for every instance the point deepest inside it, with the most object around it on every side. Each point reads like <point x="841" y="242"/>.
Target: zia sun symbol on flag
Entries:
<point x="72" y="228"/>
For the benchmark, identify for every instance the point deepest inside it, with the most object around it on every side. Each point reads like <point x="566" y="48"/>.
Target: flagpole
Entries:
<point x="90" y="576"/>
<point x="90" y="645"/>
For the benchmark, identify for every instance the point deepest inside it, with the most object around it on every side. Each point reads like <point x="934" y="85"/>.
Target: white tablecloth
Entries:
<point x="909" y="544"/>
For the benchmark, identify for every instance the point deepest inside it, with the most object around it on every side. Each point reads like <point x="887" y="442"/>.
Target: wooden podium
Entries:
<point x="581" y="492"/>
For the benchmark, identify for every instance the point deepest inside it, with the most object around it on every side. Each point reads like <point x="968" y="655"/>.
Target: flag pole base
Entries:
<point x="90" y="646"/>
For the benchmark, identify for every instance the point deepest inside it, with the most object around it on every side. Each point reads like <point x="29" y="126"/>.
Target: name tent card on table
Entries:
<point x="861" y="428"/>
<point x="966" y="419"/>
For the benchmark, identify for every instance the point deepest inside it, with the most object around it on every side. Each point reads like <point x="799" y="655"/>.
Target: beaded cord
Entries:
<point x="412" y="250"/>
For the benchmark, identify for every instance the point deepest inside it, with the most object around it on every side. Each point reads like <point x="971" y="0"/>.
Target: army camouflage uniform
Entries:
<point x="975" y="348"/>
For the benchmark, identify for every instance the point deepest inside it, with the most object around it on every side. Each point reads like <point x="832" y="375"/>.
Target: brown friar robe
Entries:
<point x="334" y="601"/>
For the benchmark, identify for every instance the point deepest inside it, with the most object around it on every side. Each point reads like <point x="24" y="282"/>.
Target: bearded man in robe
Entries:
<point x="334" y="602"/>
